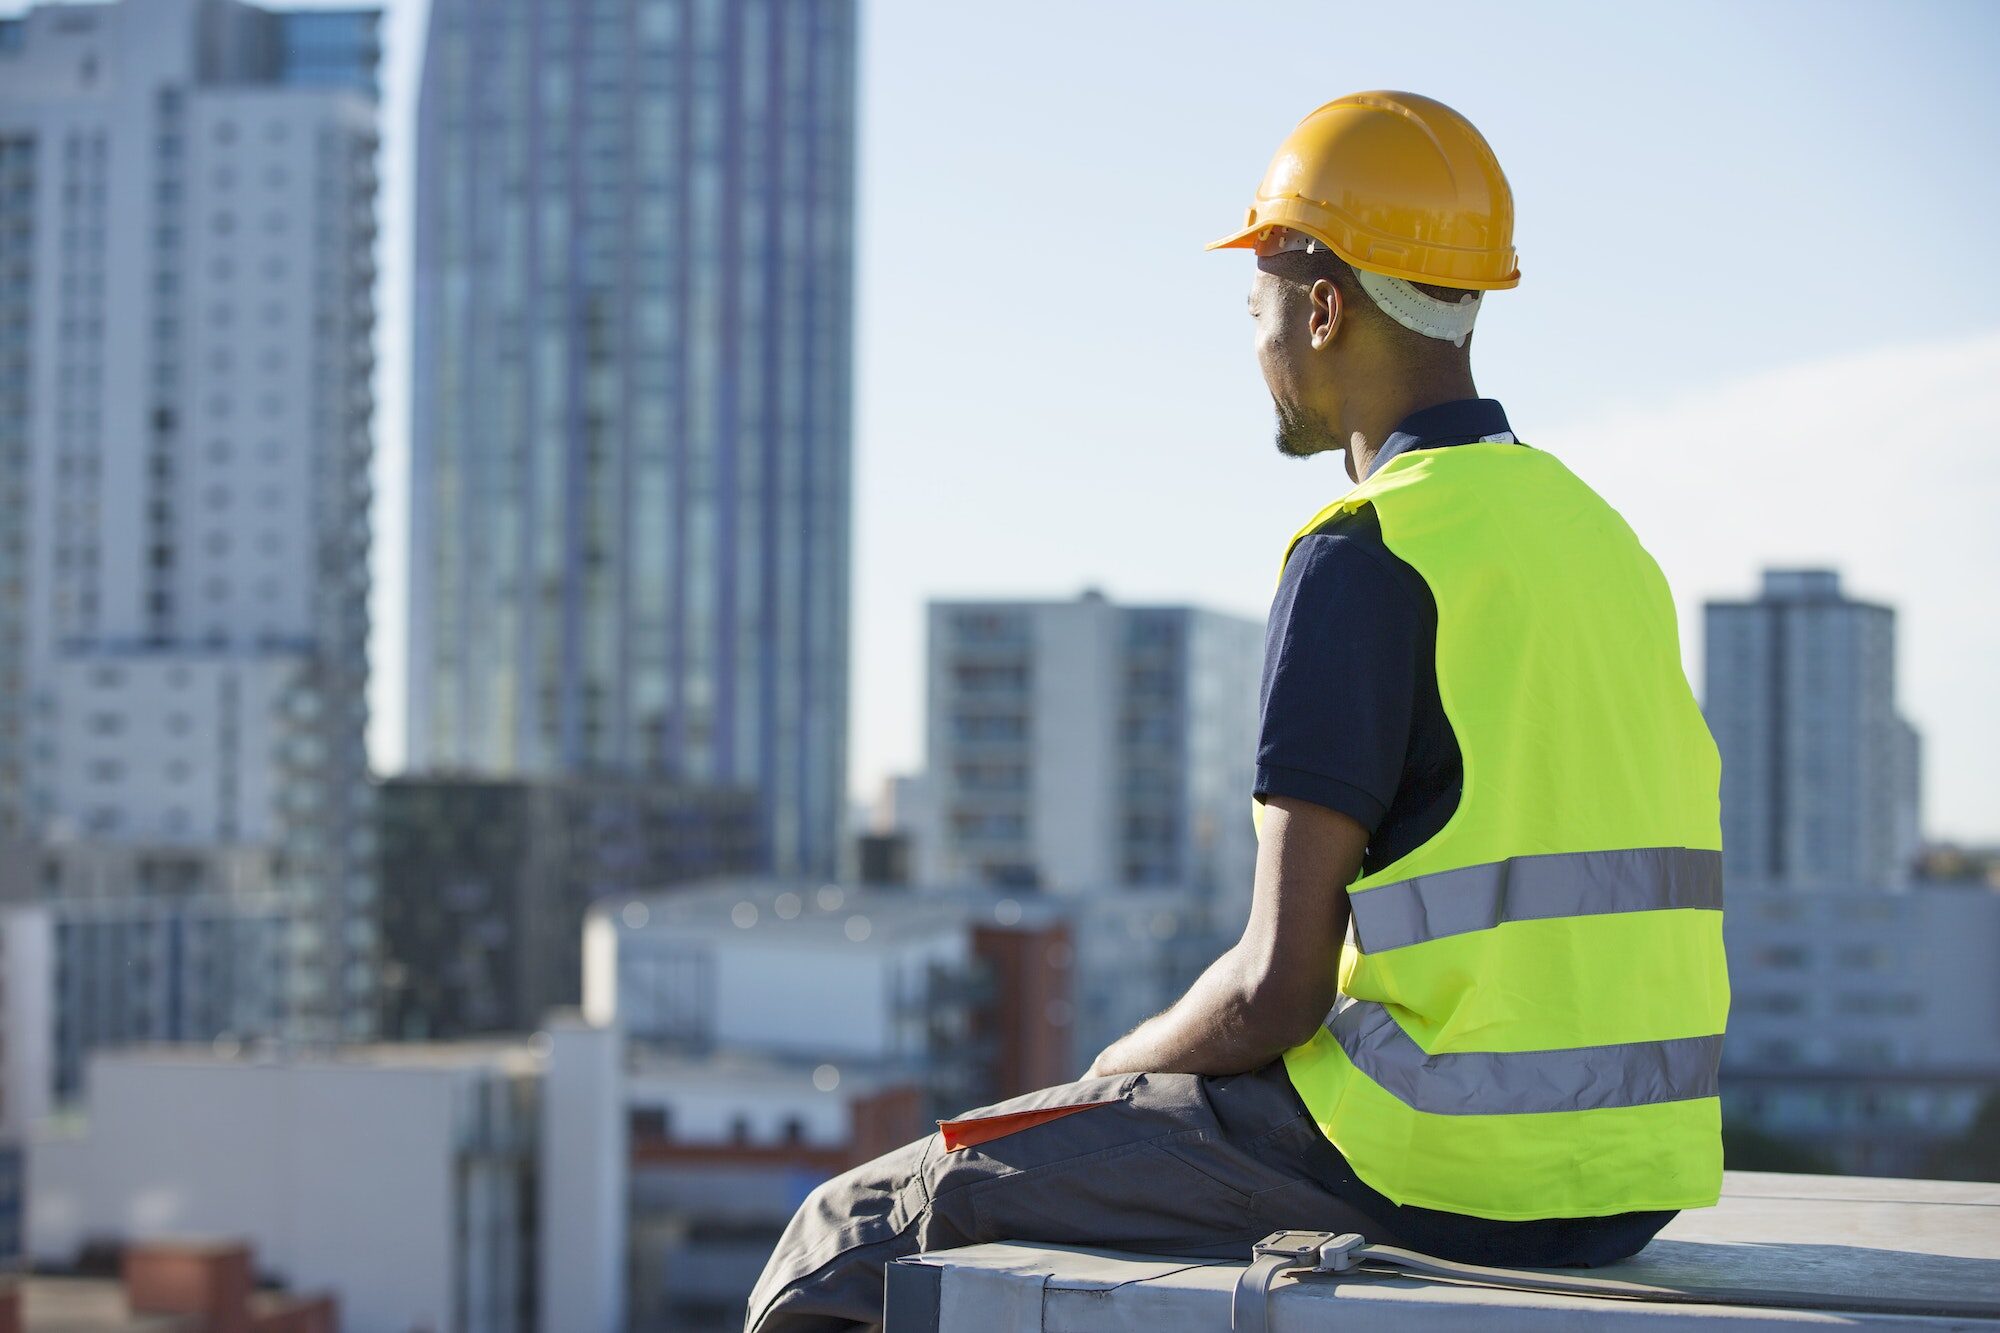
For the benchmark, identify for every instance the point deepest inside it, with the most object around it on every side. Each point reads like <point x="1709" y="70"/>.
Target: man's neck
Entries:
<point x="1368" y="423"/>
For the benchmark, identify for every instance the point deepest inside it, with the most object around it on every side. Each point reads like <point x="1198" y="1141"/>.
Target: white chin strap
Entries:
<point x="1420" y="312"/>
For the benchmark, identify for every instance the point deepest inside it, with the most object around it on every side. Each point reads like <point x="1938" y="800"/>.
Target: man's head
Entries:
<point x="1381" y="219"/>
<point x="1323" y="341"/>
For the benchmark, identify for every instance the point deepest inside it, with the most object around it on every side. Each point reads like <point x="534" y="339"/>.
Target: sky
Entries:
<point x="1756" y="312"/>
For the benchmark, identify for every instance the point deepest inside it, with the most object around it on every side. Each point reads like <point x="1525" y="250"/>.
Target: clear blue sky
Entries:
<point x="1758" y="309"/>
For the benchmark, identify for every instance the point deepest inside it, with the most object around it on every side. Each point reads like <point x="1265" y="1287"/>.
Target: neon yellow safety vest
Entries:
<point x="1532" y="1001"/>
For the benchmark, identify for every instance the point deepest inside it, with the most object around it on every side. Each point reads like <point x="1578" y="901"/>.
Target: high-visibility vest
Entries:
<point x="1532" y="1001"/>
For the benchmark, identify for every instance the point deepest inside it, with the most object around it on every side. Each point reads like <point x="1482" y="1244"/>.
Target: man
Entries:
<point x="1478" y="1006"/>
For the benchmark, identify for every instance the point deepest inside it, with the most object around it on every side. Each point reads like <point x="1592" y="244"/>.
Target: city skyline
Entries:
<point x="1779" y="404"/>
<point x="981" y="432"/>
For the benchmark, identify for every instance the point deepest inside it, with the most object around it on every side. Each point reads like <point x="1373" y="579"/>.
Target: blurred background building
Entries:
<point x="1819" y="774"/>
<point x="922" y="1004"/>
<point x="96" y="975"/>
<point x="485" y="883"/>
<point x="1862" y="1033"/>
<point x="190" y="192"/>
<point x="1082" y="744"/>
<point x="469" y="1186"/>
<point x="633" y="304"/>
<point x="1862" y="1029"/>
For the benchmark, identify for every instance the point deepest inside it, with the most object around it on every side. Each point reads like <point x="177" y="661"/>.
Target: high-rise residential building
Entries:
<point x="188" y="190"/>
<point x="633" y="295"/>
<point x="1819" y="771"/>
<point x="1080" y="744"/>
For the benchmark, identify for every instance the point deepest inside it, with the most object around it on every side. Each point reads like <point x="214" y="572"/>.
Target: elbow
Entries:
<point x="1280" y="1014"/>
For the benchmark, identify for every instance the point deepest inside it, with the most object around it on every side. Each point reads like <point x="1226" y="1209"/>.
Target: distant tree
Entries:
<point x="1974" y="1155"/>
<point x="1748" y="1149"/>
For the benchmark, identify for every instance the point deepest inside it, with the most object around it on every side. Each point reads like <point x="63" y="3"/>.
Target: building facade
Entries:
<point x="436" y="1186"/>
<point x="77" y="977"/>
<point x="724" y="1149"/>
<point x="485" y="885"/>
<point x="1864" y="1023"/>
<point x="1819" y="771"/>
<point x="631" y="440"/>
<point x="1084" y="744"/>
<point x="185" y="325"/>
<point x="965" y="995"/>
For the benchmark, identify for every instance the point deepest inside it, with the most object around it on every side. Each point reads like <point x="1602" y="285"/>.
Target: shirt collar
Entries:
<point x="1464" y="421"/>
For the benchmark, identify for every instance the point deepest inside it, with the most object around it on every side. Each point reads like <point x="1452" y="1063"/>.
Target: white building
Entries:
<point x="1864" y="1022"/>
<point x="468" y="1186"/>
<point x="823" y="974"/>
<point x="724" y="1149"/>
<point x="184" y="362"/>
<point x="1819" y="771"/>
<point x="1082" y="744"/>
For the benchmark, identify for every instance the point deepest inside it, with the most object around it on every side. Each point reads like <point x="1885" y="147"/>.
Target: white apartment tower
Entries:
<point x="1079" y="745"/>
<point x="186" y="231"/>
<point x="1819" y="771"/>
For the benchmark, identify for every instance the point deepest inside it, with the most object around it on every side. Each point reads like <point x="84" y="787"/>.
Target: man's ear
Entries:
<point x="1323" y="321"/>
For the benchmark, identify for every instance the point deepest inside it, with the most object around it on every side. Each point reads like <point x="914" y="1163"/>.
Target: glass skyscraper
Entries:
<point x="631" y="404"/>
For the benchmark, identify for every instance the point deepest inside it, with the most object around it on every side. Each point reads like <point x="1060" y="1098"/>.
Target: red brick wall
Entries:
<point x="1032" y="1015"/>
<point x="885" y="1120"/>
<point x="211" y="1282"/>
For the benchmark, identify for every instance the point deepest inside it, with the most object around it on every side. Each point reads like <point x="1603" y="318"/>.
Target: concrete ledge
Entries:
<point x="1781" y="1252"/>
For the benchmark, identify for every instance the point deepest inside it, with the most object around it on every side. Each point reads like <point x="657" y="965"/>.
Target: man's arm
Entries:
<point x="1274" y="986"/>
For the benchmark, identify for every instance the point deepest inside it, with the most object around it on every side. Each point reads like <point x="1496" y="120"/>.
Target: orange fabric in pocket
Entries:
<point x="986" y="1128"/>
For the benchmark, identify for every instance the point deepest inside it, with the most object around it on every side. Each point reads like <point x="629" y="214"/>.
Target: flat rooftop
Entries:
<point x="1780" y="1252"/>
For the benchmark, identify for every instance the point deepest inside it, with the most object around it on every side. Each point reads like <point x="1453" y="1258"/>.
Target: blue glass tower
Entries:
<point x="631" y="402"/>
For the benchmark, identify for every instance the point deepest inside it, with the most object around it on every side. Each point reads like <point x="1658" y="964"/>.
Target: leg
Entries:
<point x="1146" y="1167"/>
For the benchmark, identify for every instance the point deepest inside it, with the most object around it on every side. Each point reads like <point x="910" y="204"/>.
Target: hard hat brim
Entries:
<point x="1246" y="239"/>
<point x="1243" y="239"/>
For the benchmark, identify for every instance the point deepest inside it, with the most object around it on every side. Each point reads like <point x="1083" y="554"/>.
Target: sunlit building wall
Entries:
<point x="1819" y="771"/>
<point x="1078" y="744"/>
<point x="185" y="326"/>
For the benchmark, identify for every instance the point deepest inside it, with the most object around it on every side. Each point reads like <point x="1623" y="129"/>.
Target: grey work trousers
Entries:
<point x="1176" y="1164"/>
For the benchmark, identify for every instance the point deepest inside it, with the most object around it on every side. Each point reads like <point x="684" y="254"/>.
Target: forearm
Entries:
<point x="1221" y="1026"/>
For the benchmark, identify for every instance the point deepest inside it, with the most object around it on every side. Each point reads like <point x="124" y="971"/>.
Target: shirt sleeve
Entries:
<point x="1339" y="687"/>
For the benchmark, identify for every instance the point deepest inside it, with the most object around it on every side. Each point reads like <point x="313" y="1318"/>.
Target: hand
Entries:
<point x="1106" y="1064"/>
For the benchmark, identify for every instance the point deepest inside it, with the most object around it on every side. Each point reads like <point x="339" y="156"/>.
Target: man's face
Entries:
<point x="1294" y="369"/>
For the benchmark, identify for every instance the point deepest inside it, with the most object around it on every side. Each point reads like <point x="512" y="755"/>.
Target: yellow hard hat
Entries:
<point x="1395" y="184"/>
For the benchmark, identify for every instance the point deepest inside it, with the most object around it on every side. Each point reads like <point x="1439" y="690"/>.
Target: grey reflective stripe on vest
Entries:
<point x="1581" y="1078"/>
<point x="1534" y="888"/>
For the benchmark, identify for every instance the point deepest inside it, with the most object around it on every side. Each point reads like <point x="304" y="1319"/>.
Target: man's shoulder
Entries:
<point x="1344" y="554"/>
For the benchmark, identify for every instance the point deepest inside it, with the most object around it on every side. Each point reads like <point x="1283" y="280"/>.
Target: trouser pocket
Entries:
<point x="1162" y="1194"/>
<point x="971" y="1131"/>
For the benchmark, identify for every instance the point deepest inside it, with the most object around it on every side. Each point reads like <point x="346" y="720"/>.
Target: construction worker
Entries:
<point x="1477" y="1009"/>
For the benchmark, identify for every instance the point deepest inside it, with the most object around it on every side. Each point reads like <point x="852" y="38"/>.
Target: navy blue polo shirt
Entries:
<point x="1352" y="721"/>
<point x="1350" y="716"/>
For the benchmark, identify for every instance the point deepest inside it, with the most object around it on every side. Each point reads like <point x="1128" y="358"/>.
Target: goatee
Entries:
<point x="1298" y="436"/>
